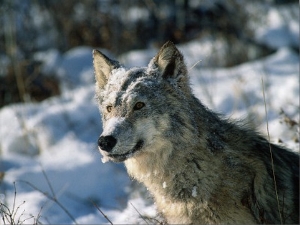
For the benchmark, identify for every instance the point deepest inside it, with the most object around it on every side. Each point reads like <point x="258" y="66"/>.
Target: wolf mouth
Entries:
<point x="122" y="157"/>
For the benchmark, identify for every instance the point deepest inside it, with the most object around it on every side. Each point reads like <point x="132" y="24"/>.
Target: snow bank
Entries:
<point x="59" y="137"/>
<point x="281" y="28"/>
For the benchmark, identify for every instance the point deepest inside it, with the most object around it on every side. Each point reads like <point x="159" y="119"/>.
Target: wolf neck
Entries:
<point x="169" y="170"/>
<point x="173" y="178"/>
<point x="184" y="166"/>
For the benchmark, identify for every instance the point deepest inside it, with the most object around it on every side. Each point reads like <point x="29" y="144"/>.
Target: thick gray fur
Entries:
<point x="199" y="167"/>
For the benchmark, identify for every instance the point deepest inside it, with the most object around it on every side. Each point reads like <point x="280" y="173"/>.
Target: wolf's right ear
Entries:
<point x="170" y="64"/>
<point x="103" y="67"/>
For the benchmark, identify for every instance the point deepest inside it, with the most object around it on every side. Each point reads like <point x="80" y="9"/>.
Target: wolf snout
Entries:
<point x="107" y="143"/>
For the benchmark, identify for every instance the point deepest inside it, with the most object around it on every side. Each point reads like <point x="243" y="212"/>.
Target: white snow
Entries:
<point x="281" y="27"/>
<point x="111" y="124"/>
<point x="194" y="191"/>
<point x="49" y="149"/>
<point x="104" y="159"/>
<point x="117" y="76"/>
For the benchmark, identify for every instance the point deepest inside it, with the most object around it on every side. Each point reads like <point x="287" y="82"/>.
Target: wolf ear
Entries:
<point x="170" y="64"/>
<point x="103" y="66"/>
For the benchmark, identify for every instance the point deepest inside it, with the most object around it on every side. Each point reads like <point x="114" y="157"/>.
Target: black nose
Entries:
<point x="107" y="143"/>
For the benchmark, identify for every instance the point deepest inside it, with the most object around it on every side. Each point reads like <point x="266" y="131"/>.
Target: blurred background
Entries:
<point x="30" y="27"/>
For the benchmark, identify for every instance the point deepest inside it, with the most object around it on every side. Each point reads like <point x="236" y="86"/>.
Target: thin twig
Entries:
<point x="30" y="217"/>
<point x="194" y="64"/>
<point x="15" y="196"/>
<point x="10" y="215"/>
<point x="15" y="213"/>
<point x="48" y="182"/>
<point x="271" y="154"/>
<point x="102" y="212"/>
<point x="51" y="198"/>
<point x="36" y="220"/>
<point x="139" y="213"/>
<point x="3" y="211"/>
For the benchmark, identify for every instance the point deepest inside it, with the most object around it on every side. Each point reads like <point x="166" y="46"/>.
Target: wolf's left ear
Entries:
<point x="103" y="67"/>
<point x="170" y="64"/>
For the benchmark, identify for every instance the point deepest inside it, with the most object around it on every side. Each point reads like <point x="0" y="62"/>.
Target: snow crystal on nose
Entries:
<point x="104" y="159"/>
<point x="164" y="184"/>
<point x="111" y="125"/>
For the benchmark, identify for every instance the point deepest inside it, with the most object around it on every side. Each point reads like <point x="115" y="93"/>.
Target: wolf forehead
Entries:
<point x="166" y="72"/>
<point x="124" y="83"/>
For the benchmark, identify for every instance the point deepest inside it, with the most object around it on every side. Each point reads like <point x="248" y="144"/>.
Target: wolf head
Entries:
<point x="139" y="106"/>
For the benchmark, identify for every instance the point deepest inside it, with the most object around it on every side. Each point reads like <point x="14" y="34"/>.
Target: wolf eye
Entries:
<point x="139" y="105"/>
<point x="109" y="108"/>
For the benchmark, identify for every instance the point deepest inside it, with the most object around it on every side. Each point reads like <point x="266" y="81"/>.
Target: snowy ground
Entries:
<point x="49" y="150"/>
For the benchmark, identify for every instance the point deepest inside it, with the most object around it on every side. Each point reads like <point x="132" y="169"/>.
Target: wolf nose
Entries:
<point x="107" y="143"/>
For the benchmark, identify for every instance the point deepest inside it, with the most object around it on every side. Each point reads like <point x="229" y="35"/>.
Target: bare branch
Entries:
<point x="102" y="212"/>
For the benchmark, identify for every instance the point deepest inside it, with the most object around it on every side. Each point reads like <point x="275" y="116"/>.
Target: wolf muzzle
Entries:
<point x="107" y="143"/>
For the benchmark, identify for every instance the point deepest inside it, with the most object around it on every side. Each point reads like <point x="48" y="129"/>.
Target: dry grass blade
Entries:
<point x="102" y="212"/>
<point x="53" y="198"/>
<point x="48" y="181"/>
<point x="4" y="211"/>
<point x="14" y="204"/>
<point x="139" y="213"/>
<point x="11" y="216"/>
<point x="271" y="154"/>
<point x="195" y="64"/>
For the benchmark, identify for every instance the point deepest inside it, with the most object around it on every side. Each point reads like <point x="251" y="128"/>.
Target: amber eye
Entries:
<point x="109" y="108"/>
<point x="138" y="105"/>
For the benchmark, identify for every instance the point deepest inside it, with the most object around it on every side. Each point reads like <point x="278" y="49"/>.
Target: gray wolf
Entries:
<point x="199" y="167"/>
